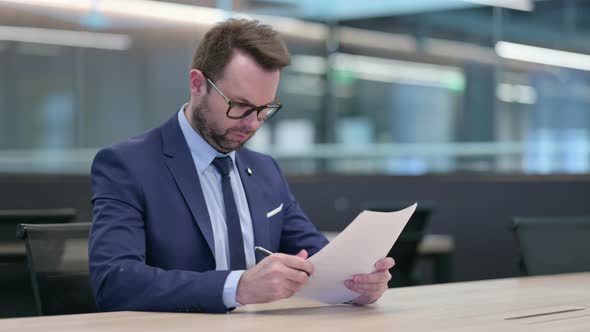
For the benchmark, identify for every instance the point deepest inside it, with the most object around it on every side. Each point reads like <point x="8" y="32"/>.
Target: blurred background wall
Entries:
<point x="482" y="107"/>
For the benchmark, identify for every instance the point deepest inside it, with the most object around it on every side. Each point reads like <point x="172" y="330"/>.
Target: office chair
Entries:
<point x="551" y="245"/>
<point x="9" y="219"/>
<point x="16" y="294"/>
<point x="58" y="264"/>
<point x="405" y="249"/>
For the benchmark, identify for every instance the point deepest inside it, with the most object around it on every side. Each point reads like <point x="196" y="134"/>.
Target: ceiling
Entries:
<point x="341" y="10"/>
<point x="563" y="24"/>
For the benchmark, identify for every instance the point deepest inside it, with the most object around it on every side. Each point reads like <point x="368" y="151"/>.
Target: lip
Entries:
<point x="239" y="136"/>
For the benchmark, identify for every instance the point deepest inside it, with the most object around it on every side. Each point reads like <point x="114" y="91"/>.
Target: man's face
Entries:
<point x="244" y="81"/>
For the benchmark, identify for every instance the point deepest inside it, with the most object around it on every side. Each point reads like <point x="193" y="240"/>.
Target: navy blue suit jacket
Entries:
<point x="151" y="242"/>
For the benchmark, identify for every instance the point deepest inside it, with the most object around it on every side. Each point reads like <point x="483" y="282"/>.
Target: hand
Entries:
<point x="371" y="286"/>
<point x="276" y="277"/>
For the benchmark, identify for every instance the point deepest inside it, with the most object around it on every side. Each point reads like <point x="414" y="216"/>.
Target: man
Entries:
<point x="179" y="209"/>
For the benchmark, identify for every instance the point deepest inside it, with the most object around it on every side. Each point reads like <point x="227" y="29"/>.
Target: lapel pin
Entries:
<point x="249" y="171"/>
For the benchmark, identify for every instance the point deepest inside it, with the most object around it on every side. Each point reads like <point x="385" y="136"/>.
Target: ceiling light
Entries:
<point x="524" y="5"/>
<point x="544" y="56"/>
<point x="72" y="38"/>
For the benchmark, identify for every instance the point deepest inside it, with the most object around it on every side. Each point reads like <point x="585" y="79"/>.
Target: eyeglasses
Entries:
<point x="238" y="110"/>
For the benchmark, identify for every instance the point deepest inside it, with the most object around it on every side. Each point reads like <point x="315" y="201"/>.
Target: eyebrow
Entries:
<point x="243" y="101"/>
<point x="246" y="101"/>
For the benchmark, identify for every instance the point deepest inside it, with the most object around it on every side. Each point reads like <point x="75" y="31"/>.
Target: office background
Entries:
<point x="481" y="110"/>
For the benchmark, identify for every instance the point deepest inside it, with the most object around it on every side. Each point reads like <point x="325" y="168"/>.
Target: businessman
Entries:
<point x="179" y="209"/>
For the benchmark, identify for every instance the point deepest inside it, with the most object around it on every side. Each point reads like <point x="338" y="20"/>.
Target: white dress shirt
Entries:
<point x="203" y="155"/>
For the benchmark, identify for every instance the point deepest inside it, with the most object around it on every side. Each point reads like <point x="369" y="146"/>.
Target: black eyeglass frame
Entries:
<point x="250" y="108"/>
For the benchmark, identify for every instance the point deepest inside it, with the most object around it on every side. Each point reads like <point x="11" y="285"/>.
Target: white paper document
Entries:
<point x="355" y="250"/>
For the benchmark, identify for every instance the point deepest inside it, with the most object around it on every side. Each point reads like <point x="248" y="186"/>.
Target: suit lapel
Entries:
<point x="255" y="204"/>
<point x="180" y="163"/>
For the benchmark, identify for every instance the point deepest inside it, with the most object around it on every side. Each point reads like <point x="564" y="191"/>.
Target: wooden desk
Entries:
<point x="13" y="255"/>
<point x="469" y="306"/>
<point x="13" y="249"/>
<point x="438" y="249"/>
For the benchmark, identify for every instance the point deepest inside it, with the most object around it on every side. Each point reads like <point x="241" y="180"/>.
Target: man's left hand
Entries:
<point x="371" y="286"/>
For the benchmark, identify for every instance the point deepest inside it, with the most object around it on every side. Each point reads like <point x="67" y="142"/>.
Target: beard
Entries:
<point x="218" y="138"/>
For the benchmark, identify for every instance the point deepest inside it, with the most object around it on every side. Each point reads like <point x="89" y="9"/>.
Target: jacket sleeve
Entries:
<point x="120" y="277"/>
<point x="298" y="231"/>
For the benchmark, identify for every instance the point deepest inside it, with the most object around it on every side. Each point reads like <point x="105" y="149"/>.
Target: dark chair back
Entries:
<point x="58" y="263"/>
<point x="551" y="245"/>
<point x="9" y="219"/>
<point x="16" y="294"/>
<point x="405" y="249"/>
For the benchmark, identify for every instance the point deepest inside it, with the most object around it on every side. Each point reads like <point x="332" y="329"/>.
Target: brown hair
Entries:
<point x="257" y="40"/>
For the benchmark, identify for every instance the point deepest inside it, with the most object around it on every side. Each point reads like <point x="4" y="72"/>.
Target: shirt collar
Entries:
<point x="203" y="153"/>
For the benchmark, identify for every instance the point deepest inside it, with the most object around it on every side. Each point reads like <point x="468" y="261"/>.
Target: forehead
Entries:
<point x="244" y="78"/>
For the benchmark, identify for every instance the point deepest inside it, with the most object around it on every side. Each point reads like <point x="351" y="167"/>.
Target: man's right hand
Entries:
<point x="276" y="277"/>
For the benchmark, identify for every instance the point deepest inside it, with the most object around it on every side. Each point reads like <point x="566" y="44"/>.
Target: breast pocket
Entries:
<point x="274" y="217"/>
<point x="274" y="211"/>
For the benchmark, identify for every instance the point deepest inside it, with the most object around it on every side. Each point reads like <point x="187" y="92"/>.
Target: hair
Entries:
<point x="257" y="40"/>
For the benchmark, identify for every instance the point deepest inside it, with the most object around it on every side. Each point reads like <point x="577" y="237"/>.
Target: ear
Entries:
<point x="198" y="83"/>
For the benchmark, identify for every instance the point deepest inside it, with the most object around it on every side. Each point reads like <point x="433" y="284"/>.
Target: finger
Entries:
<point x="375" y="277"/>
<point x="384" y="264"/>
<point x="285" y="289"/>
<point x="365" y="289"/>
<point x="292" y="286"/>
<point x="363" y="299"/>
<point x="303" y="254"/>
<point x="296" y="276"/>
<point x="295" y="262"/>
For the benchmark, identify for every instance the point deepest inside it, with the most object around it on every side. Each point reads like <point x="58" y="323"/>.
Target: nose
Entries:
<point x="251" y="121"/>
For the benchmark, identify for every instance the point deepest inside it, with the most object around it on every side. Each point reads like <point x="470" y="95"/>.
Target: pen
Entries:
<point x="263" y="251"/>
<point x="267" y="252"/>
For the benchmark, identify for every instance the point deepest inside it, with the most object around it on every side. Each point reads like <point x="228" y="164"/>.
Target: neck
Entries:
<point x="189" y="113"/>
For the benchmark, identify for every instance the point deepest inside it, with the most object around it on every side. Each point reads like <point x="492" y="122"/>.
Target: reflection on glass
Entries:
<point x="433" y="90"/>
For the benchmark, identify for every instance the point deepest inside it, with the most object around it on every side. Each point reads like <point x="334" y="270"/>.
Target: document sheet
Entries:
<point x="355" y="250"/>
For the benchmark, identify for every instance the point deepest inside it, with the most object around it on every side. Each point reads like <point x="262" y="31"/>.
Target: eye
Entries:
<point x="241" y="107"/>
<point x="239" y="110"/>
<point x="267" y="112"/>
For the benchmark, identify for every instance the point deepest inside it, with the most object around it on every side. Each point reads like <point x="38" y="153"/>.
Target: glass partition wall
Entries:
<point x="475" y="89"/>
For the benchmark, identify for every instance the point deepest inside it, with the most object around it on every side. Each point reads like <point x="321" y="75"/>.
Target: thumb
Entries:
<point x="303" y="254"/>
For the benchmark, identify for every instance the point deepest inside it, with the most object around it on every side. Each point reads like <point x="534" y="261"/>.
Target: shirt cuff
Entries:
<point x="230" y="288"/>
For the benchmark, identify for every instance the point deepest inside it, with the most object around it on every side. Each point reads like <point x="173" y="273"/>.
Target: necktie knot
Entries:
<point x="222" y="164"/>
